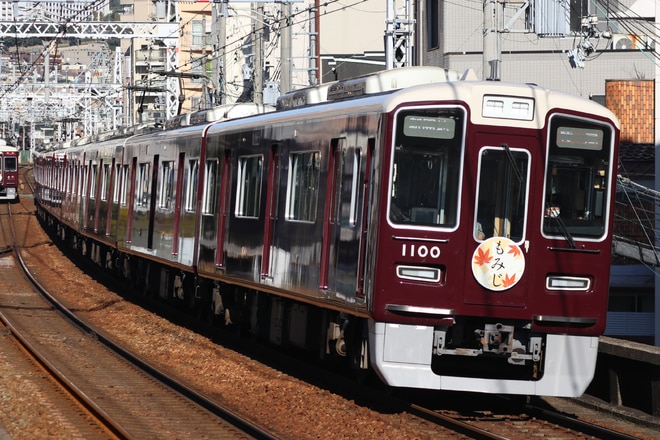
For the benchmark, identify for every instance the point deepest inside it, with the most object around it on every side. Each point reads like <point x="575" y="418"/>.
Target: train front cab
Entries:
<point x="483" y="282"/>
<point x="8" y="174"/>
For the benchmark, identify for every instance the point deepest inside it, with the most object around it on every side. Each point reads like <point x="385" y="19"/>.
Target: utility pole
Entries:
<point x="257" y="54"/>
<point x="314" y="44"/>
<point x="219" y="36"/>
<point x="398" y="35"/>
<point x="285" y="79"/>
<point x="657" y="167"/>
<point x="492" y="57"/>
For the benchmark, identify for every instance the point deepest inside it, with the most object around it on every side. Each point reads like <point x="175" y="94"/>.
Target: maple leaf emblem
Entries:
<point x="509" y="281"/>
<point x="514" y="250"/>
<point x="482" y="257"/>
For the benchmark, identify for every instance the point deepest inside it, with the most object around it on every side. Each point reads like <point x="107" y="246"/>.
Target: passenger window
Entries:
<point x="105" y="177"/>
<point x="209" y="191"/>
<point x="166" y="184"/>
<point x="124" y="185"/>
<point x="352" y="166"/>
<point x="92" y="183"/>
<point x="248" y="188"/>
<point x="303" y="186"/>
<point x="191" y="185"/>
<point x="115" y="185"/>
<point x="142" y="187"/>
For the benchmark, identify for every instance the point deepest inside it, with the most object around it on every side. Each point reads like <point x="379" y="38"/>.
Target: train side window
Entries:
<point x="142" y="185"/>
<point x="353" y="162"/>
<point x="76" y="179"/>
<point x="210" y="187"/>
<point x="502" y="196"/>
<point x="191" y="185"/>
<point x="303" y="186"/>
<point x="94" y="181"/>
<point x="166" y="184"/>
<point x="115" y="187"/>
<point x="248" y="188"/>
<point x="123" y="192"/>
<point x="105" y="178"/>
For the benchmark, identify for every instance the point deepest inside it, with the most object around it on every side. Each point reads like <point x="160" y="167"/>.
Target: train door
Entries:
<point x="343" y="221"/>
<point x="223" y="208"/>
<point x="499" y="221"/>
<point x="152" y="202"/>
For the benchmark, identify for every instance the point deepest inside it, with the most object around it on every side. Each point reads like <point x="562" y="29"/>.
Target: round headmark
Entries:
<point x="498" y="263"/>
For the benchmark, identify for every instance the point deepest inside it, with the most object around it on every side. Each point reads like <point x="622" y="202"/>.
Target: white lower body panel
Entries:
<point x="401" y="356"/>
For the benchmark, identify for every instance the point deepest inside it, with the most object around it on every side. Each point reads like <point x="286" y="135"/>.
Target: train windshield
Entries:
<point x="577" y="176"/>
<point x="503" y="178"/>
<point x="424" y="180"/>
<point x="11" y="164"/>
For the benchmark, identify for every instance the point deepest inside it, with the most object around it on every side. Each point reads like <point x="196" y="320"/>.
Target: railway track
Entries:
<point x="475" y="419"/>
<point x="100" y="394"/>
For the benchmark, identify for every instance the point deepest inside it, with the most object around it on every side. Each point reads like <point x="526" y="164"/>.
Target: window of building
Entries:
<point x="432" y="18"/>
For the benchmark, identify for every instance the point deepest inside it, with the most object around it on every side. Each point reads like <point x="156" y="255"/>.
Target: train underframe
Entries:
<point x="8" y="193"/>
<point x="474" y="354"/>
<point x="331" y="335"/>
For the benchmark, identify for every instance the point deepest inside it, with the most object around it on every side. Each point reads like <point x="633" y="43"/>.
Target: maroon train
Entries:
<point x="8" y="172"/>
<point x="450" y="234"/>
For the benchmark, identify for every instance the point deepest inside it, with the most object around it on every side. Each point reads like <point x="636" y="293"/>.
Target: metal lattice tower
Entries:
<point x="398" y="35"/>
<point x="101" y="101"/>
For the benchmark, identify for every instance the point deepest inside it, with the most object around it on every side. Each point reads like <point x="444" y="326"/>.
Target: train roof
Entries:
<point x="370" y="84"/>
<point x="521" y="105"/>
<point x="7" y="148"/>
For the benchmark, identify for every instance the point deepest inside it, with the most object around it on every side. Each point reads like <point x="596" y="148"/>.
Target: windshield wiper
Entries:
<point x="563" y="228"/>
<point x="512" y="162"/>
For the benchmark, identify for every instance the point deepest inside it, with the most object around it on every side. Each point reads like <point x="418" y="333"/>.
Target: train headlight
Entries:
<point x="561" y="282"/>
<point x="417" y="273"/>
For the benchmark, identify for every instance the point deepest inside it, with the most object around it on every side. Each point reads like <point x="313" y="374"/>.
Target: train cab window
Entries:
<point x="502" y="193"/>
<point x="210" y="188"/>
<point x="11" y="164"/>
<point x="578" y="172"/>
<point x="248" y="188"/>
<point x="425" y="170"/>
<point x="303" y="186"/>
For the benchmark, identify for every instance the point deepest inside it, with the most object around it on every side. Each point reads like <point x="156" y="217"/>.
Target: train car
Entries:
<point x="449" y="234"/>
<point x="8" y="172"/>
